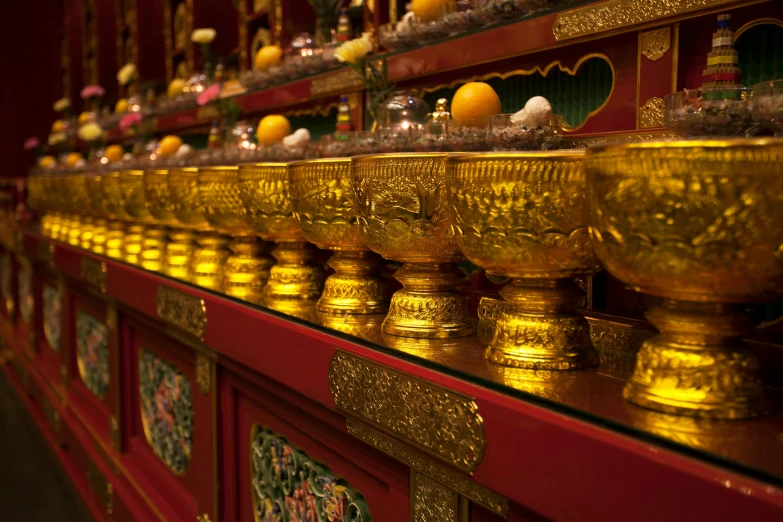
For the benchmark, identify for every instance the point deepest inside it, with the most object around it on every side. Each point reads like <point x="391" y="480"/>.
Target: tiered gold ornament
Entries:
<point x="696" y="223"/>
<point x="264" y="190"/>
<point x="114" y="211"/>
<point x="402" y="211"/>
<point x="247" y="267"/>
<point x="323" y="206"/>
<point x="206" y="263"/>
<point x="524" y="215"/>
<point x="132" y="190"/>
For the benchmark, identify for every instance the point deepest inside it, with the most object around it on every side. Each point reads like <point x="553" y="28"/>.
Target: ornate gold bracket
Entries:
<point x="182" y="310"/>
<point x="651" y="114"/>
<point x="205" y="369"/>
<point x="94" y="273"/>
<point x="656" y="43"/>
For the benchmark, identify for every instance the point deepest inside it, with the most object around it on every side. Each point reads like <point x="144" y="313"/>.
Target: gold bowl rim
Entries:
<point x="219" y="168"/>
<point x="464" y="157"/>
<point x="130" y="172"/>
<point x="156" y="171"/>
<point x="716" y="143"/>
<point x="263" y="164"/>
<point x="396" y="155"/>
<point x="184" y="169"/>
<point x="315" y="161"/>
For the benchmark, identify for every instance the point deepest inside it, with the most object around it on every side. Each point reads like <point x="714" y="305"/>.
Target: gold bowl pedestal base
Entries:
<point x="98" y="243"/>
<point x="178" y="256"/>
<point x="55" y="224"/>
<point x="85" y="238"/>
<point x="247" y="270"/>
<point x="75" y="231"/>
<point x="64" y="229"/>
<point x="209" y="261"/>
<point x="153" y="247"/>
<point x="132" y="244"/>
<point x="697" y="366"/>
<point x="537" y="329"/>
<point x="294" y="276"/>
<point x="115" y="239"/>
<point x="354" y="288"/>
<point x="428" y="306"/>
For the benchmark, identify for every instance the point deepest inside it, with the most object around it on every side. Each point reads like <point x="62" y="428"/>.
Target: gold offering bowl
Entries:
<point x="247" y="268"/>
<point x="155" y="245"/>
<point x="94" y="186"/>
<point x="135" y="204"/>
<point x="83" y="202"/>
<point x="114" y="211"/>
<point x="524" y="215"/>
<point x="74" y="201"/>
<point x="264" y="190"/>
<point x="697" y="223"/>
<point x="402" y="213"/>
<point x="209" y="258"/>
<point x="323" y="206"/>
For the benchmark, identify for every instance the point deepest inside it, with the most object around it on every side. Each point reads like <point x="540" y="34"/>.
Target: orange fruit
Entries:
<point x="427" y="10"/>
<point x="273" y="128"/>
<point x="58" y="126"/>
<point x="473" y="103"/>
<point x="169" y="145"/>
<point x="176" y="87"/>
<point x="121" y="106"/>
<point x="47" y="162"/>
<point x="72" y="158"/>
<point x="113" y="153"/>
<point x="266" y="57"/>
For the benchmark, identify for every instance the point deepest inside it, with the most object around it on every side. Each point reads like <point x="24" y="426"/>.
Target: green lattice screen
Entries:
<point x="760" y="50"/>
<point x="572" y="96"/>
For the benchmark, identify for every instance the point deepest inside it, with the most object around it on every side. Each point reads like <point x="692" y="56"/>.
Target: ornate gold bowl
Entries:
<point x="114" y="211"/>
<point x="323" y="206"/>
<point x="402" y="213"/>
<point x="264" y="190"/>
<point x="697" y="223"/>
<point x="135" y="205"/>
<point x="247" y="269"/>
<point x="524" y="215"/>
<point x="94" y="187"/>
<point x="75" y="201"/>
<point x="155" y="243"/>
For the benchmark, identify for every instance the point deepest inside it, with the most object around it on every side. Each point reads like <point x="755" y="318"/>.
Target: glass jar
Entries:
<point x="403" y="112"/>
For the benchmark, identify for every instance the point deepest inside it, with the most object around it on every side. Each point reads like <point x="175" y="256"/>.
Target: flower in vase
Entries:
<point x="209" y="94"/>
<point x="62" y="104"/>
<point x="92" y="91"/>
<point x="90" y="131"/>
<point x="129" y="120"/>
<point x="355" y="50"/>
<point x="126" y="74"/>
<point x="203" y="36"/>
<point x="31" y="143"/>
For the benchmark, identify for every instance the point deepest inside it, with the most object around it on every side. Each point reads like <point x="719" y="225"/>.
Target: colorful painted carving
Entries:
<point x="92" y="353"/>
<point x="166" y="411"/>
<point x="290" y="486"/>
<point x="52" y="315"/>
<point x="26" y="299"/>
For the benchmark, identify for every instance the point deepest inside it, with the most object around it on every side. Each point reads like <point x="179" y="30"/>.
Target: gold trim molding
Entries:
<point x="182" y="310"/>
<point x="636" y="137"/>
<point x="651" y="113"/>
<point x="431" y="501"/>
<point x="656" y="43"/>
<point x="416" y="460"/>
<point x="441" y="422"/>
<point x="616" y="14"/>
<point x="94" y="273"/>
<point x="203" y="373"/>
<point x="335" y="82"/>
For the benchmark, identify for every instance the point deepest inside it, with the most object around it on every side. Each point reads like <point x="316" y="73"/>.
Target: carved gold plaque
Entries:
<point x="339" y="81"/>
<point x="615" y="14"/>
<point x="415" y="459"/>
<point x="656" y="43"/>
<point x="651" y="113"/>
<point x="431" y="501"/>
<point x="94" y="272"/>
<point x="182" y="310"/>
<point x="203" y="373"/>
<point x="441" y="422"/>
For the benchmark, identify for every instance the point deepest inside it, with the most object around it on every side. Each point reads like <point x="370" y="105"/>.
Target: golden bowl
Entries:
<point x="169" y="250"/>
<point x="698" y="224"/>
<point x="185" y="204"/>
<point x="323" y="207"/>
<point x="94" y="185"/>
<point x="247" y="269"/>
<point x="264" y="190"/>
<point x="524" y="215"/>
<point x="402" y="212"/>
<point x="135" y="204"/>
<point x="156" y="194"/>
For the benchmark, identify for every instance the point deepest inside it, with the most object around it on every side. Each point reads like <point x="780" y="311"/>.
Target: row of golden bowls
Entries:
<point x="695" y="223"/>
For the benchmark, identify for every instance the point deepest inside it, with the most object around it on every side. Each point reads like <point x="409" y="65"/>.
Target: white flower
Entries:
<point x="126" y="74"/>
<point x="56" y="137"/>
<point x="61" y="104"/>
<point x="355" y="50"/>
<point x="203" y="36"/>
<point x="90" y="131"/>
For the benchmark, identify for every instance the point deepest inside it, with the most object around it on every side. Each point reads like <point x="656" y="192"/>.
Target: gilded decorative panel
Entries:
<point x="441" y="422"/>
<point x="431" y="501"/>
<point x="182" y="310"/>
<point x="651" y="114"/>
<point x="166" y="411"/>
<point x="26" y="297"/>
<point x="52" y="315"/>
<point x="289" y="486"/>
<point x="5" y="282"/>
<point x="92" y="353"/>
<point x="656" y="43"/>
